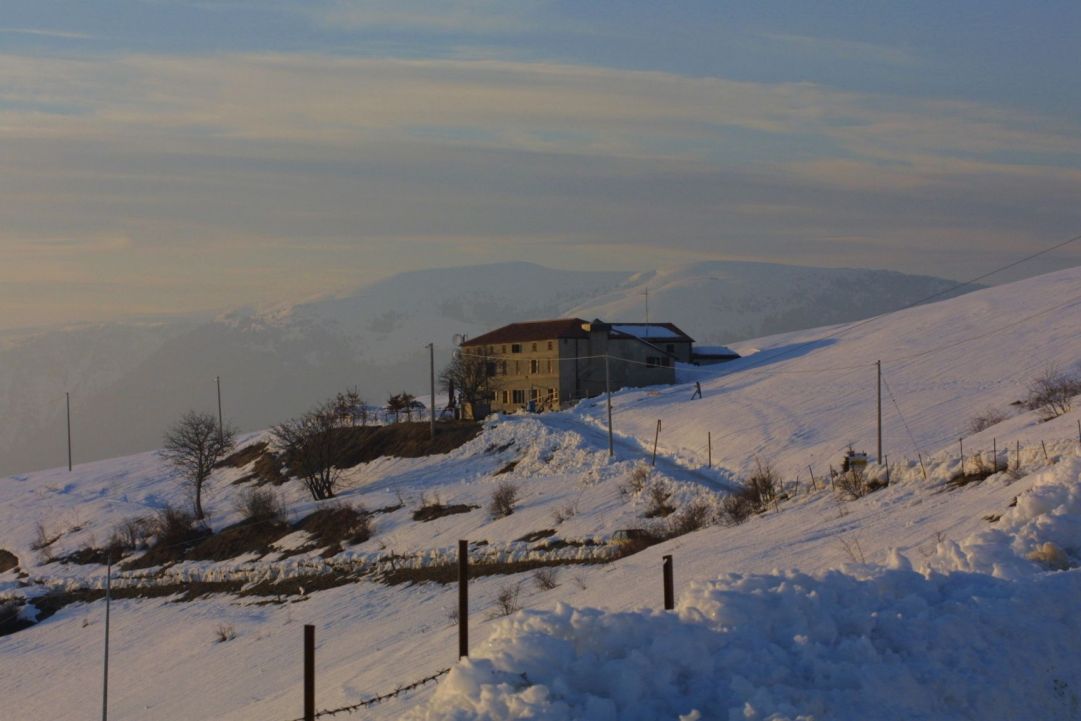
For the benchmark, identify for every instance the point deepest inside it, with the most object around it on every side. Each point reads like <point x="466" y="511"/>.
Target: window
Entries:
<point x="504" y="350"/>
<point x="534" y="367"/>
<point x="653" y="361"/>
<point x="489" y="368"/>
<point x="534" y="347"/>
<point x="506" y="397"/>
<point x="549" y="365"/>
<point x="549" y="345"/>
<point x="491" y="350"/>
<point x="519" y="396"/>
<point x="517" y="368"/>
<point x="516" y="348"/>
<point x="502" y="368"/>
<point x="534" y="393"/>
<point x="494" y="396"/>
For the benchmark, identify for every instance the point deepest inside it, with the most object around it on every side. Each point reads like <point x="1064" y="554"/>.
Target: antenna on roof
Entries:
<point x="647" y="312"/>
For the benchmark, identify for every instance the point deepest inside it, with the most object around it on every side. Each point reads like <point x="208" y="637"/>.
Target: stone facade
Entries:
<point x="553" y="364"/>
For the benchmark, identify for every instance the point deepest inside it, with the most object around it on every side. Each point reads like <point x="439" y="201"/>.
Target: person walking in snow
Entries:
<point x="697" y="390"/>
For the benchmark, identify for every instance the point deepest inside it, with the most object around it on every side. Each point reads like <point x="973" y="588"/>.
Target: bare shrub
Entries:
<point x="42" y="538"/>
<point x="658" y="505"/>
<point x="174" y="527"/>
<point x="506" y="600"/>
<point x="452" y="615"/>
<point x="695" y="515"/>
<point x="1052" y="392"/>
<point x="852" y="483"/>
<point x="853" y="550"/>
<point x="636" y="480"/>
<point x="260" y="505"/>
<point x="546" y="578"/>
<point x="129" y="535"/>
<point x="564" y="512"/>
<point x="764" y="483"/>
<point x="224" y="632"/>
<point x="982" y="421"/>
<point x="504" y="497"/>
<point x="737" y="508"/>
<point x="755" y="494"/>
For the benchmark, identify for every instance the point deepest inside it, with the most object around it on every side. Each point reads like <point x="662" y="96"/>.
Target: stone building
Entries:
<point x="551" y="364"/>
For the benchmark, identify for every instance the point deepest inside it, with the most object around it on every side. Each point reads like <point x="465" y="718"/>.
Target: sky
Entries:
<point x="171" y="156"/>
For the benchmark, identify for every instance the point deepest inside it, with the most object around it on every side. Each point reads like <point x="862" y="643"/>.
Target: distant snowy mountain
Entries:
<point x="129" y="380"/>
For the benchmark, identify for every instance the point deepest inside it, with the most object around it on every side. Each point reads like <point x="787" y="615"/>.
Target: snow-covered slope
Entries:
<point x="130" y="380"/>
<point x="917" y="601"/>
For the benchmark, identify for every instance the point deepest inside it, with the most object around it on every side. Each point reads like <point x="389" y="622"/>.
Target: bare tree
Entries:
<point x="470" y="375"/>
<point x="312" y="445"/>
<point x="1052" y="392"/>
<point x="193" y="445"/>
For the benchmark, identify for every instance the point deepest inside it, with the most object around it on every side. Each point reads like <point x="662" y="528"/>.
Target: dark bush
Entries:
<point x="340" y="523"/>
<point x="175" y="527"/>
<point x="261" y="505"/>
<point x="693" y="516"/>
<point x="504" y="498"/>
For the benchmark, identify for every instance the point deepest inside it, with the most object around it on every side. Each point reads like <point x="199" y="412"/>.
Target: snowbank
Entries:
<point x="892" y="644"/>
<point x="985" y="631"/>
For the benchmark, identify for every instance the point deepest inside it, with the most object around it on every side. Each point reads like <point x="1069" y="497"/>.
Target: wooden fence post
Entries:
<point x="669" y="585"/>
<point x="656" y="437"/>
<point x="463" y="599"/>
<point x="309" y="672"/>
<point x="813" y="481"/>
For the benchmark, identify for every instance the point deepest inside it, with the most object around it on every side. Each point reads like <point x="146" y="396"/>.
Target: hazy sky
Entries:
<point x="174" y="155"/>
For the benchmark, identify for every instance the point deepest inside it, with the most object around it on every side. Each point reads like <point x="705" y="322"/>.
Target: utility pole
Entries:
<point x="105" y="676"/>
<point x="431" y="378"/>
<point x="221" y="425"/>
<point x="878" y="365"/>
<point x="67" y="401"/>
<point x="608" y="392"/>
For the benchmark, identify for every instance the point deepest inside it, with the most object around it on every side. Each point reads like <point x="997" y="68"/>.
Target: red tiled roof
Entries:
<point x="534" y="330"/>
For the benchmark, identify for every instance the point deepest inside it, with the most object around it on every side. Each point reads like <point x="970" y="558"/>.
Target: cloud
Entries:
<point x="39" y="32"/>
<point x="455" y="16"/>
<point x="846" y="49"/>
<point x="543" y="107"/>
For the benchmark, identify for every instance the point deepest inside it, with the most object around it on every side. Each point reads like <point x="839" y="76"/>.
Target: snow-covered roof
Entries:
<point x="652" y="331"/>
<point x="715" y="350"/>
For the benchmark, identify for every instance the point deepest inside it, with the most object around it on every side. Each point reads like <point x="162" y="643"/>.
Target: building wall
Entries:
<point x="524" y="371"/>
<point x="557" y="372"/>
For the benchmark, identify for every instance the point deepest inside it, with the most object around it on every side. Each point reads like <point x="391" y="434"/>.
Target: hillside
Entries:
<point x="924" y="599"/>
<point x="130" y="380"/>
